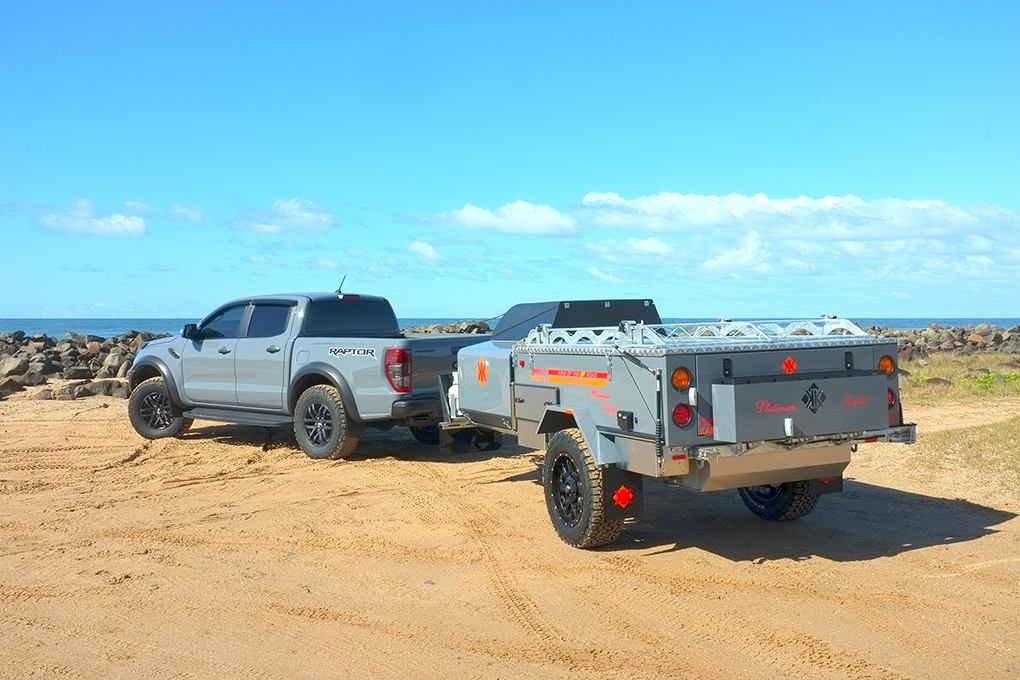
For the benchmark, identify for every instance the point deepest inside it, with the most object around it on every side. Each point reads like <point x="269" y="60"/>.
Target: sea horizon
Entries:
<point x="110" y="327"/>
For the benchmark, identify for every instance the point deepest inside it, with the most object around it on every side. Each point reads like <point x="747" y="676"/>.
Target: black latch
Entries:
<point x="625" y="420"/>
<point x="848" y="360"/>
<point x="727" y="368"/>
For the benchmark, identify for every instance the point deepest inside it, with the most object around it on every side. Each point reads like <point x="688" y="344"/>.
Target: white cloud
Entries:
<point x="180" y="213"/>
<point x="519" y="217"/>
<point x="137" y="208"/>
<point x="424" y="252"/>
<point x="82" y="218"/>
<point x="325" y="263"/>
<point x="262" y="260"/>
<point x="831" y="218"/>
<point x="607" y="276"/>
<point x="751" y="255"/>
<point x="294" y="215"/>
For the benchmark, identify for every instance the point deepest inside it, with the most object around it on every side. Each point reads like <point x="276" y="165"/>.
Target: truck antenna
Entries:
<point x="341" y="285"/>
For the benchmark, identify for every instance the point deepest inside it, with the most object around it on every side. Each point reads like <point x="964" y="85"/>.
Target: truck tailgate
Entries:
<point x="435" y="354"/>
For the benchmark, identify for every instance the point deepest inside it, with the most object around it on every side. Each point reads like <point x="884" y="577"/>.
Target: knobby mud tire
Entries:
<point x="320" y="424"/>
<point x="574" y="493"/>
<point x="152" y="413"/>
<point x="780" y="503"/>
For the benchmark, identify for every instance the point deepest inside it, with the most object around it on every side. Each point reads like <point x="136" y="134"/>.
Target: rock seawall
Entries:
<point x="919" y="343"/>
<point x="89" y="365"/>
<point x="95" y="365"/>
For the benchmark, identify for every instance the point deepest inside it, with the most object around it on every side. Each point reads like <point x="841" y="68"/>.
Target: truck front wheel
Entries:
<point x="573" y="493"/>
<point x="780" y="503"/>
<point x="320" y="424"/>
<point x="152" y="413"/>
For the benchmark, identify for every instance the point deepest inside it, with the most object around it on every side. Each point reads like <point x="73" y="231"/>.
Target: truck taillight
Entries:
<point x="886" y="364"/>
<point x="892" y="398"/>
<point x="398" y="369"/>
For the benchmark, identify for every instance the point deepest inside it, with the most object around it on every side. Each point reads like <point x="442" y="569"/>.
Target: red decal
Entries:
<point x="609" y="409"/>
<point x="595" y="394"/>
<point x="768" y="407"/>
<point x="854" y="402"/>
<point x="705" y="427"/>
<point x="483" y="372"/>
<point x="623" y="497"/>
<point x="789" y="366"/>
<point x="826" y="480"/>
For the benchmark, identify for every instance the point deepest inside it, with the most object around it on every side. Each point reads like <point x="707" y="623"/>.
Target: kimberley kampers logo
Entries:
<point x="813" y="398"/>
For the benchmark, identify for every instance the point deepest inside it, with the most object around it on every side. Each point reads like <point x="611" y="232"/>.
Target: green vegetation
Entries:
<point x="946" y="378"/>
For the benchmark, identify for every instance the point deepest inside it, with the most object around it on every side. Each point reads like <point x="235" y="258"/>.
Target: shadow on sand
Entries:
<point x="864" y="522"/>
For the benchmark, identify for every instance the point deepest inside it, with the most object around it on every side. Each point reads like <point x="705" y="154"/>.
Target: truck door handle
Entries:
<point x="224" y="350"/>
<point x="272" y="349"/>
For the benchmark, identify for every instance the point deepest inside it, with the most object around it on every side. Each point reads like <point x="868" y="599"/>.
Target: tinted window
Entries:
<point x="268" y="321"/>
<point x="225" y="324"/>
<point x="350" y="317"/>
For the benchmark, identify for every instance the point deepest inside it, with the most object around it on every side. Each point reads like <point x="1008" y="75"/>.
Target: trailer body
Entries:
<point x="706" y="406"/>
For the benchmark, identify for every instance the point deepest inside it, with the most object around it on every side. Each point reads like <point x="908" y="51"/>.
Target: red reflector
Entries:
<point x="682" y="414"/>
<point x="623" y="497"/>
<point x="871" y="441"/>
<point x="682" y="456"/>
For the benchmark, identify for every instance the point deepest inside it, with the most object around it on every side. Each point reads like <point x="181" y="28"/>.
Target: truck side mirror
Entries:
<point x="190" y="332"/>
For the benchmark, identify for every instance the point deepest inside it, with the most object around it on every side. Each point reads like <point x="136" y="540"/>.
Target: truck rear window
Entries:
<point x="340" y="318"/>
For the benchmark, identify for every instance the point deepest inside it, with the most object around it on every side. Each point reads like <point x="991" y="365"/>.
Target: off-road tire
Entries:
<point x="152" y="413"/>
<point x="574" y="493"/>
<point x="428" y="435"/>
<point x="320" y="424"/>
<point x="780" y="503"/>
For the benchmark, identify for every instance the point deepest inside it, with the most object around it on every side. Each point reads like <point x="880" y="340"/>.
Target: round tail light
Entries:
<point x="886" y="364"/>
<point x="892" y="399"/>
<point x="682" y="415"/>
<point x="681" y="378"/>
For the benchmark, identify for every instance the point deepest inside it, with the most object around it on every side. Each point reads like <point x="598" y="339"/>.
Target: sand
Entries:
<point x="229" y="554"/>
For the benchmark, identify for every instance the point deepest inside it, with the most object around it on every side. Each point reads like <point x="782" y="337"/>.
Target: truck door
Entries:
<point x="260" y="357"/>
<point x="207" y="363"/>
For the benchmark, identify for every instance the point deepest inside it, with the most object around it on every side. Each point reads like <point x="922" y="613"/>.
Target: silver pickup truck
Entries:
<point x="328" y="364"/>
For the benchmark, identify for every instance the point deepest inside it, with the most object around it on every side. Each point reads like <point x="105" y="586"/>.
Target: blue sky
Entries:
<point x="770" y="159"/>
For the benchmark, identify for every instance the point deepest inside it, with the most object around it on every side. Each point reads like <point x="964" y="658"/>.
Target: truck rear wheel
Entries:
<point x="320" y="424"/>
<point x="152" y="413"/>
<point x="573" y="493"/>
<point x="780" y="503"/>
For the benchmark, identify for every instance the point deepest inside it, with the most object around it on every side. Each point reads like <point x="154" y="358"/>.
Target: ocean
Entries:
<point x="107" y="328"/>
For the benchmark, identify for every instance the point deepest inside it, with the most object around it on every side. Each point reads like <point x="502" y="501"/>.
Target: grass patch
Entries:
<point x="984" y="453"/>
<point x="987" y="376"/>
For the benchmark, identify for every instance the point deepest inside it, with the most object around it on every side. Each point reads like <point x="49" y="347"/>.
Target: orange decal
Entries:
<point x="789" y="366"/>
<point x="483" y="372"/>
<point x="589" y="378"/>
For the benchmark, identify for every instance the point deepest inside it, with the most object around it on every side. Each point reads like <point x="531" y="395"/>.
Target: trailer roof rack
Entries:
<point x="721" y="336"/>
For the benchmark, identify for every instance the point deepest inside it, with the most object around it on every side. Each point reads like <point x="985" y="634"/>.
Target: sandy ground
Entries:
<point x="229" y="554"/>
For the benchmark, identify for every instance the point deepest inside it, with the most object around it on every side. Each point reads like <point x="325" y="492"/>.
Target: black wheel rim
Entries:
<point x="156" y="411"/>
<point x="763" y="494"/>
<point x="567" y="491"/>
<point x="318" y="424"/>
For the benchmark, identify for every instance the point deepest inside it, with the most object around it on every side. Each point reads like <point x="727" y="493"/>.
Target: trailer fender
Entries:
<point x="559" y="417"/>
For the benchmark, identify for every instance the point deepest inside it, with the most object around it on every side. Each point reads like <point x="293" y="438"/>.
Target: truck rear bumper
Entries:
<point x="416" y="407"/>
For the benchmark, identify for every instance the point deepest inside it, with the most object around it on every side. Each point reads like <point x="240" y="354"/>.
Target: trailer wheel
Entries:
<point x="573" y="493"/>
<point x="320" y="424"/>
<point x="781" y="503"/>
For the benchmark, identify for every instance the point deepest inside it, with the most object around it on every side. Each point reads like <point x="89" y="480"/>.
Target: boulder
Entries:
<point x="77" y="373"/>
<point x="10" y="386"/>
<point x="43" y="394"/>
<point x="13" y="366"/>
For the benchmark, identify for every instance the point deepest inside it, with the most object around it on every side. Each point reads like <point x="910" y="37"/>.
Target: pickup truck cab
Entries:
<point x="328" y="364"/>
